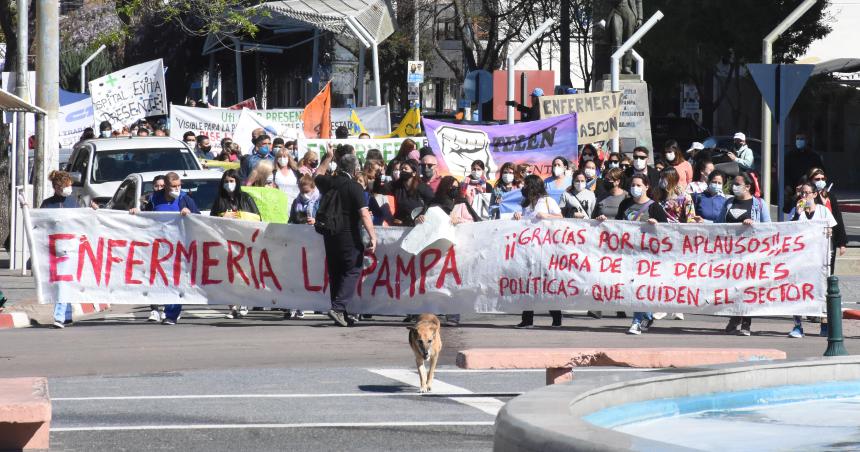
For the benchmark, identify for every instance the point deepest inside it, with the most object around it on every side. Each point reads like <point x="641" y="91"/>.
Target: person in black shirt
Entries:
<point x="640" y="167"/>
<point x="800" y="161"/>
<point x="62" y="199"/>
<point x="231" y="199"/>
<point x="345" y="249"/>
<point x="410" y="193"/>
<point x="529" y="113"/>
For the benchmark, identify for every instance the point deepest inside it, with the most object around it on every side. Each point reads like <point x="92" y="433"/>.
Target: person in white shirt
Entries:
<point x="809" y="210"/>
<point x="578" y="201"/>
<point x="537" y="205"/>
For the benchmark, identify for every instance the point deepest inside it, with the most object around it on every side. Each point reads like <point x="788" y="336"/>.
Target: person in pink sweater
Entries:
<point x="673" y="154"/>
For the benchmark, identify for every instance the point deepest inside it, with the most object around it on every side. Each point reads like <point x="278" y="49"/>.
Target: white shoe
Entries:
<point x="678" y="316"/>
<point x="243" y="311"/>
<point x="634" y="329"/>
<point x="299" y="314"/>
<point x="58" y="325"/>
<point x="659" y="315"/>
<point x="154" y="316"/>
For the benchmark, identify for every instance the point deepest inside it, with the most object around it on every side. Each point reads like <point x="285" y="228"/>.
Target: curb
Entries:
<point x="17" y="319"/>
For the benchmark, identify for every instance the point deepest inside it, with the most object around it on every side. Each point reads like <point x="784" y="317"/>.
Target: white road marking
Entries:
<point x="242" y="426"/>
<point x="273" y="396"/>
<point x="488" y="405"/>
<point x="575" y="370"/>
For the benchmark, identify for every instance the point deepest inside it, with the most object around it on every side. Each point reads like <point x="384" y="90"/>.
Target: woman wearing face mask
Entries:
<point x="309" y="163"/>
<point x="233" y="203"/>
<point x="614" y="161"/>
<point x="410" y="194"/>
<point x="589" y="154"/>
<point x="62" y="199"/>
<point x="673" y="198"/>
<point x="263" y="175"/>
<point x="523" y="171"/>
<point x="537" y="205"/>
<point x="710" y="203"/>
<point x="450" y="198"/>
<point x="825" y="197"/>
<point x="675" y="158"/>
<point x="559" y="181"/>
<point x="287" y="172"/>
<point x="704" y="167"/>
<point x="609" y="204"/>
<point x="505" y="184"/>
<point x="476" y="187"/>
<point x="809" y="209"/>
<point x="743" y="208"/>
<point x="578" y="201"/>
<point x="639" y="207"/>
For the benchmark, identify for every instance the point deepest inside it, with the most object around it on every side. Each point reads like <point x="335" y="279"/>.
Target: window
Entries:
<point x="123" y="199"/>
<point x="117" y="165"/>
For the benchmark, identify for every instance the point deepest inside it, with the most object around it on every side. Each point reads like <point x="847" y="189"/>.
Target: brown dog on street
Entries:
<point x="425" y="338"/>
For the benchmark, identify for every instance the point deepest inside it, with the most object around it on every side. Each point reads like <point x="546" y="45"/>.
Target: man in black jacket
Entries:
<point x="641" y="167"/>
<point x="345" y="249"/>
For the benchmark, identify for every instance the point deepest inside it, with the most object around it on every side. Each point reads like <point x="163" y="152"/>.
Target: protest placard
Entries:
<point x="498" y="266"/>
<point x="74" y="118"/>
<point x="596" y="113"/>
<point x="535" y="143"/>
<point x="130" y="94"/>
<point x="388" y="146"/>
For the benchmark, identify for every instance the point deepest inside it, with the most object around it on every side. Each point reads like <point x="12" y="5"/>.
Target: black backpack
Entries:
<point x="330" y="218"/>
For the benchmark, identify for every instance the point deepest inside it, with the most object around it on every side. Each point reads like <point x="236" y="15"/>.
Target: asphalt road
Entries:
<point x="208" y="383"/>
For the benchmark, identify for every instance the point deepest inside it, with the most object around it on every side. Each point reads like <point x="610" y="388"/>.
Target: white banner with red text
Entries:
<point x="497" y="266"/>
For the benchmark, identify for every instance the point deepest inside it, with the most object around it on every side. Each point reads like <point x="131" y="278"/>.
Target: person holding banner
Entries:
<point x="743" y="208"/>
<point x="62" y="199"/>
<point x="171" y="199"/>
<point x="537" y="205"/>
<point x="809" y="209"/>
<point x="825" y="197"/>
<point x="410" y="194"/>
<point x="709" y="203"/>
<point x="609" y="204"/>
<point x="406" y="148"/>
<point x="578" y="201"/>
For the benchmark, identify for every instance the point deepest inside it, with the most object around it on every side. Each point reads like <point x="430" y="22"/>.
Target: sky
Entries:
<point x="841" y="42"/>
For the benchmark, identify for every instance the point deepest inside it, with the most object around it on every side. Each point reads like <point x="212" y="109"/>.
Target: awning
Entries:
<point x="12" y="103"/>
<point x="837" y="65"/>
<point x="330" y="15"/>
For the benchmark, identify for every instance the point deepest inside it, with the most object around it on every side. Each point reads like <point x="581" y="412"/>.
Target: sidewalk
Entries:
<point x="23" y="309"/>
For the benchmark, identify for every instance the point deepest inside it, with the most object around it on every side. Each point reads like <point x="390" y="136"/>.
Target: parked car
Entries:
<point x="723" y="145"/>
<point x="200" y="185"/>
<point x="683" y="130"/>
<point x="98" y="166"/>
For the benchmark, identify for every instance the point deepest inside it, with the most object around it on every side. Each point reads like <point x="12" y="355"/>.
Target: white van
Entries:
<point x="98" y="166"/>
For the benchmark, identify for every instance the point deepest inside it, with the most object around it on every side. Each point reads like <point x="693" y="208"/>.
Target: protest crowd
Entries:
<point x="668" y="185"/>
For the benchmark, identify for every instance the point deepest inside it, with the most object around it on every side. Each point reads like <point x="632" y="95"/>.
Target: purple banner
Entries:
<point x="535" y="143"/>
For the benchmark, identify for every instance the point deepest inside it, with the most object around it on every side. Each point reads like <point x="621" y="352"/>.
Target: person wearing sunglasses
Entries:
<point x="640" y="167"/>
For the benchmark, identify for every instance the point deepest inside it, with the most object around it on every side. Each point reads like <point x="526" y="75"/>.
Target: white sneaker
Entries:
<point x="299" y="314"/>
<point x="154" y="316"/>
<point x="634" y="329"/>
<point x="58" y="325"/>
<point x="659" y="315"/>
<point x="243" y="311"/>
<point x="678" y="316"/>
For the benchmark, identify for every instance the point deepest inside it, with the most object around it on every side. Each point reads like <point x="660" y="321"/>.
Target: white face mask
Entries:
<point x="395" y="174"/>
<point x="175" y="193"/>
<point x="715" y="188"/>
<point x="270" y="180"/>
<point x="507" y="178"/>
<point x="283" y="161"/>
<point x="613" y="165"/>
<point x="332" y="166"/>
<point x="590" y="173"/>
<point x="738" y="190"/>
<point x="230" y="186"/>
<point x="820" y="184"/>
<point x="476" y="174"/>
<point x="587" y="158"/>
<point x="67" y="191"/>
<point x="579" y="186"/>
<point x="670" y="156"/>
<point x="105" y="134"/>
<point x="557" y="171"/>
<point x="636" y="192"/>
<point x="639" y="164"/>
<point x="800" y="143"/>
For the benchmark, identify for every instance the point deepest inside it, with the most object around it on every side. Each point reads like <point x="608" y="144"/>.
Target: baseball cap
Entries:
<point x="537" y="92"/>
<point x="740" y="136"/>
<point x="695" y="147"/>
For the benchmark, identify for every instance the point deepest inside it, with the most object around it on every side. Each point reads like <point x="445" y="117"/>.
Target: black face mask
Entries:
<point x="454" y="192"/>
<point x="427" y="172"/>
<point x="405" y="176"/>
<point x="313" y="164"/>
<point x="205" y="148"/>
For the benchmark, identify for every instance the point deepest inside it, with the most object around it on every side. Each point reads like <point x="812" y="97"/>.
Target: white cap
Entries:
<point x="696" y="147"/>
<point x="740" y="136"/>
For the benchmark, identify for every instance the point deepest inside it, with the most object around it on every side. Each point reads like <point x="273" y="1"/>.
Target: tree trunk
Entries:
<point x="5" y="183"/>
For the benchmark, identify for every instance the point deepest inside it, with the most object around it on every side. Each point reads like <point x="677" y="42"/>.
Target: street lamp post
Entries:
<point x="84" y="67"/>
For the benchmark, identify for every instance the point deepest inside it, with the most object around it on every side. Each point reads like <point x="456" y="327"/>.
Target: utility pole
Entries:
<point x="47" y="93"/>
<point x="21" y="90"/>
<point x="416" y="40"/>
<point x="564" y="64"/>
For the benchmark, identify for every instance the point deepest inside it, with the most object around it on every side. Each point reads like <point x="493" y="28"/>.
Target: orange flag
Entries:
<point x="317" y="115"/>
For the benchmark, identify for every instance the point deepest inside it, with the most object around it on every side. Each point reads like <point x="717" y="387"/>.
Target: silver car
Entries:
<point x="98" y="166"/>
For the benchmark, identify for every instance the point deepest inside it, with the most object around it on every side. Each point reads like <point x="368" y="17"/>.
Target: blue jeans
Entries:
<point x="638" y="317"/>
<point x="171" y="311"/>
<point x="62" y="312"/>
